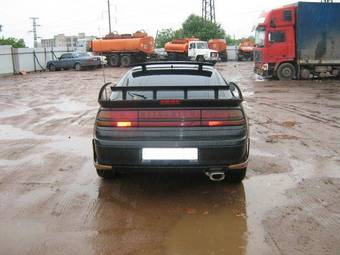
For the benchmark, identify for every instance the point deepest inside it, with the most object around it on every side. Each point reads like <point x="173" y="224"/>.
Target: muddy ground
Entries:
<point x="52" y="202"/>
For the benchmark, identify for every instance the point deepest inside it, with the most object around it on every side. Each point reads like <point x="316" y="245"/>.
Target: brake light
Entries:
<point x="221" y="114"/>
<point x="118" y="115"/>
<point x="170" y="118"/>
<point x="170" y="102"/>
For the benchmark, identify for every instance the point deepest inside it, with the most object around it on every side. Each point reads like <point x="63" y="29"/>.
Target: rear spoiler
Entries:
<point x="107" y="89"/>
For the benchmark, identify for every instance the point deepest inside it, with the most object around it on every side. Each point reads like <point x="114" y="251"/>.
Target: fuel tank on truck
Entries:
<point x="138" y="42"/>
<point x="220" y="45"/>
<point x="179" y="45"/>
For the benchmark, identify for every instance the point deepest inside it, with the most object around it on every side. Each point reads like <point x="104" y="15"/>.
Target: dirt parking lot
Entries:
<point x="52" y="202"/>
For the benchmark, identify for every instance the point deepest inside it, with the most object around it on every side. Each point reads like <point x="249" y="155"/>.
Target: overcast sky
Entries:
<point x="73" y="16"/>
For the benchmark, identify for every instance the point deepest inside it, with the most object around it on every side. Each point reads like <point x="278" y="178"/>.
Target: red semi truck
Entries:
<point x="299" y="41"/>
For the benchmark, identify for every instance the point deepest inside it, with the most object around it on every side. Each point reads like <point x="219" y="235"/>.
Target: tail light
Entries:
<point x="169" y="118"/>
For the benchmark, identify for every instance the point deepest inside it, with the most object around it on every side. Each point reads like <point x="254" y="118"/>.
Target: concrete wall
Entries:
<point x="13" y="61"/>
<point x="6" y="61"/>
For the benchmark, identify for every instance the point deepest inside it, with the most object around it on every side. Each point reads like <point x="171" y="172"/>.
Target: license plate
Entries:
<point x="169" y="153"/>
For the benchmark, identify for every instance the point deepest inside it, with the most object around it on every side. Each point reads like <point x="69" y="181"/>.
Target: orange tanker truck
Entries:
<point x="190" y="49"/>
<point x="124" y="50"/>
<point x="246" y="50"/>
<point x="220" y="45"/>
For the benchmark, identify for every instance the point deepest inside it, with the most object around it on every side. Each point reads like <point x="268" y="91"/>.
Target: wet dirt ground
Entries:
<point x="52" y="202"/>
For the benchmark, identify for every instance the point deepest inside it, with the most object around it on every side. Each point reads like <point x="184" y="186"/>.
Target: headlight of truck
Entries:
<point x="265" y="67"/>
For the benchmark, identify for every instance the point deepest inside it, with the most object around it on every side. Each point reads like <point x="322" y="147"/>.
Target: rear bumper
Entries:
<point x="228" y="154"/>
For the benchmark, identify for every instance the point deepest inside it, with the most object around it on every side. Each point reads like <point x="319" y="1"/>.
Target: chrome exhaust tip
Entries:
<point x="216" y="175"/>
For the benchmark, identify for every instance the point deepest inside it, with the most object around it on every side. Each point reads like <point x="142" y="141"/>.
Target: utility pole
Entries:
<point x="34" y="31"/>
<point x="109" y="11"/>
<point x="208" y="10"/>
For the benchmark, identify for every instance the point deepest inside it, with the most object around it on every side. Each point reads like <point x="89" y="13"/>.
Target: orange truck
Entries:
<point x="124" y="50"/>
<point x="220" y="45"/>
<point x="246" y="50"/>
<point x="190" y="49"/>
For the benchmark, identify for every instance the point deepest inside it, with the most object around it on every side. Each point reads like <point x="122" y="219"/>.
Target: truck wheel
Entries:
<point x="114" y="60"/>
<point x="235" y="176"/>
<point x="286" y="72"/>
<point x="305" y="73"/>
<point x="126" y="61"/>
<point x="200" y="59"/>
<point x="107" y="174"/>
<point x="52" y="67"/>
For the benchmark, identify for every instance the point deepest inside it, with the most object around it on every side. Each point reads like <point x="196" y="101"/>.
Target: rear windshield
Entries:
<point x="172" y="78"/>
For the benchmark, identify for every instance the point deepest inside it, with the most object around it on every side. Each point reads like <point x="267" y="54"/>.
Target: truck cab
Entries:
<point x="190" y="49"/>
<point x="274" y="53"/>
<point x="199" y="50"/>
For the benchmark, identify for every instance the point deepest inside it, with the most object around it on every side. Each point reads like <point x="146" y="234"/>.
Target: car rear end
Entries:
<point x="202" y="127"/>
<point x="93" y="61"/>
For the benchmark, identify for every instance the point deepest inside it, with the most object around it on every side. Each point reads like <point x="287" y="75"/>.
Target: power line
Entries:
<point x="208" y="10"/>
<point x="34" y="31"/>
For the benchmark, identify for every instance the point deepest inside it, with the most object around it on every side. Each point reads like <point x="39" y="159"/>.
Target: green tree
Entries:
<point x="193" y="26"/>
<point x="204" y="30"/>
<point x="164" y="36"/>
<point x="16" y="43"/>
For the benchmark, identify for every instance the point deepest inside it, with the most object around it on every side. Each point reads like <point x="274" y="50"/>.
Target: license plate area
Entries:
<point x="170" y="154"/>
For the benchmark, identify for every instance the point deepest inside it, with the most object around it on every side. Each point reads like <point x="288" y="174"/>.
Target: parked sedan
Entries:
<point x="172" y="115"/>
<point x="74" y="60"/>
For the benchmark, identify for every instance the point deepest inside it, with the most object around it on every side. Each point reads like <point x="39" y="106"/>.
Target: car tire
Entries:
<point x="77" y="67"/>
<point x="236" y="176"/>
<point x="52" y="67"/>
<point x="126" y="61"/>
<point x="172" y="57"/>
<point x="200" y="59"/>
<point x="286" y="72"/>
<point x="107" y="174"/>
<point x="114" y="60"/>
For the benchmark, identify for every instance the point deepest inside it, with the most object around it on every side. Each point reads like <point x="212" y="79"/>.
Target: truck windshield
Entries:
<point x="260" y="36"/>
<point x="202" y="45"/>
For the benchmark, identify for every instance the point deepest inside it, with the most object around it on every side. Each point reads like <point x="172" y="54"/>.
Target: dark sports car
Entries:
<point x="172" y="115"/>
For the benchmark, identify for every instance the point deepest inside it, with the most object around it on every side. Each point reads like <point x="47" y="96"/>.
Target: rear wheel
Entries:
<point x="286" y="72"/>
<point x="126" y="61"/>
<point x="107" y="174"/>
<point x="114" y="60"/>
<point x="77" y="67"/>
<point x="172" y="57"/>
<point x="236" y="176"/>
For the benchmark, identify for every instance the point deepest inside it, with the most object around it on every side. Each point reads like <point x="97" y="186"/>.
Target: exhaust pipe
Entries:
<point x="216" y="175"/>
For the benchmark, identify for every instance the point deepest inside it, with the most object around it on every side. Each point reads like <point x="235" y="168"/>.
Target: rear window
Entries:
<point x="172" y="78"/>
